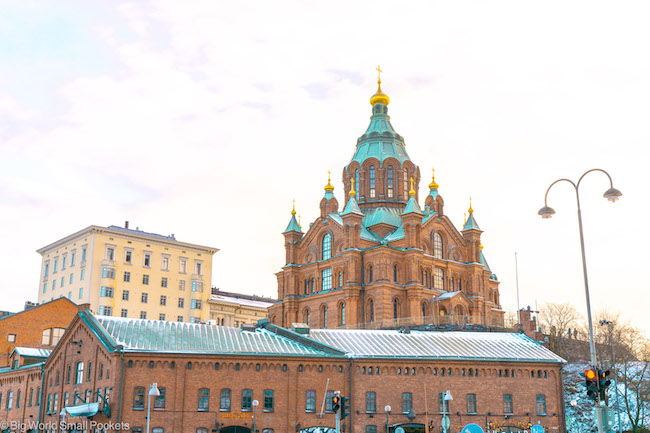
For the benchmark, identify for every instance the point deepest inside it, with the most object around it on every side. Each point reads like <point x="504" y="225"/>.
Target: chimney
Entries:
<point x="126" y="224"/>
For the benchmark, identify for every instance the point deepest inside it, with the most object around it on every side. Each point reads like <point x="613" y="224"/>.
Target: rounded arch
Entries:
<point x="326" y="245"/>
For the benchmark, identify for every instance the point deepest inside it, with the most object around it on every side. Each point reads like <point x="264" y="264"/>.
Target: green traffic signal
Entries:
<point x="344" y="407"/>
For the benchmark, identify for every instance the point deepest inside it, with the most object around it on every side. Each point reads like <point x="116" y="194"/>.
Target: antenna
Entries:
<point x="322" y="408"/>
<point x="517" y="280"/>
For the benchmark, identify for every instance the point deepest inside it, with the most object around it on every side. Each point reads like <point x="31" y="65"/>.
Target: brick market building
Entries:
<point x="210" y="376"/>
<point x="383" y="261"/>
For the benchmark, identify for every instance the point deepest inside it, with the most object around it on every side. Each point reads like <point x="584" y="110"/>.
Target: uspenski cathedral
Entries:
<point x="383" y="261"/>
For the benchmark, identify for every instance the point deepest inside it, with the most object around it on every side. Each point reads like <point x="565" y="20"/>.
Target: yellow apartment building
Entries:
<point x="129" y="273"/>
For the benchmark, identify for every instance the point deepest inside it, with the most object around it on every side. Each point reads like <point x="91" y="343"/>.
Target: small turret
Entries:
<point x="292" y="236"/>
<point x="472" y="233"/>
<point x="352" y="217"/>
<point x="328" y="204"/>
<point x="412" y="217"/>
<point x="434" y="200"/>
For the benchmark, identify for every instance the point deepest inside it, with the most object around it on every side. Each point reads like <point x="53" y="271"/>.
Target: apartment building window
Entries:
<point x="198" y="267"/>
<point x="110" y="253"/>
<point x="507" y="404"/>
<point x="83" y="253"/>
<point x="124" y="313"/>
<point x="145" y="279"/>
<point x="181" y="302"/>
<point x="541" y="404"/>
<point x="407" y="402"/>
<point x="81" y="293"/>
<point x="225" y="400"/>
<point x="196" y="304"/>
<point x="204" y="399"/>
<point x="53" y="284"/>
<point x="181" y="285"/>
<point x="63" y="259"/>
<point x="197" y="286"/>
<point x="183" y="266"/>
<point x="143" y="314"/>
<point x="105" y="311"/>
<point x="46" y="271"/>
<point x="79" y="377"/>
<point x="163" y="282"/>
<point x="83" y="274"/>
<point x="144" y="298"/>
<point x="72" y="256"/>
<point x="161" y="316"/>
<point x="125" y="295"/>
<point x="310" y="401"/>
<point x="108" y="273"/>
<point x="371" y="402"/>
<point x="56" y="265"/>
<point x="163" y="300"/>
<point x="246" y="400"/>
<point x="127" y="277"/>
<point x="147" y="260"/>
<point x="165" y="263"/>
<point x="106" y="292"/>
<point x="44" y="287"/>
<point x="69" y="295"/>
<point x="62" y="281"/>
<point x="268" y="400"/>
<point x="71" y="277"/>
<point x="128" y="257"/>
<point x="138" y="398"/>
<point x="471" y="404"/>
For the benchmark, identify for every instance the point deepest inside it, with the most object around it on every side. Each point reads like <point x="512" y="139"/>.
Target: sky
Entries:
<point x="206" y="119"/>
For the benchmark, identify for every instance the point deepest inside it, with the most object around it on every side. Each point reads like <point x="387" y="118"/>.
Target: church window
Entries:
<point x="425" y="308"/>
<point x="406" y="184"/>
<point x="395" y="269"/>
<point x="437" y="245"/>
<point x="369" y="273"/>
<point x="306" y="286"/>
<point x="324" y="316"/>
<point x="395" y="308"/>
<point x="305" y="316"/>
<point x="342" y="314"/>
<point x="438" y="279"/>
<point x="340" y="279"/>
<point x="372" y="181"/>
<point x="356" y="180"/>
<point x="326" y="276"/>
<point x="389" y="182"/>
<point x="311" y="284"/>
<point x="327" y="246"/>
<point x="371" y="311"/>
<point x="426" y="278"/>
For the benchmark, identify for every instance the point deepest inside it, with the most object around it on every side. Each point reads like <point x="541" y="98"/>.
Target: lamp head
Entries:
<point x="612" y="194"/>
<point x="546" y="212"/>
<point x="153" y="390"/>
<point x="387" y="408"/>
<point x="448" y="396"/>
<point x="255" y="403"/>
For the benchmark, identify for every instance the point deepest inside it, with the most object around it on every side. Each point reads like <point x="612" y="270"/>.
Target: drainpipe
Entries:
<point x="40" y="397"/>
<point x="563" y="408"/>
<point x="363" y="294"/>
<point x="350" y="397"/>
<point x="119" y="407"/>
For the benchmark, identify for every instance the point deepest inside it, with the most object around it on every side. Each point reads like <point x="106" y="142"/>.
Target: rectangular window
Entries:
<point x="407" y="402"/>
<point x="57" y="333"/>
<point x="44" y="287"/>
<point x="62" y="281"/>
<point x="18" y="399"/>
<point x="197" y="286"/>
<point x="106" y="292"/>
<point x="72" y="256"/>
<point x="507" y="404"/>
<point x="83" y="254"/>
<point x="125" y="295"/>
<point x="45" y="337"/>
<point x="246" y="400"/>
<point x="161" y="316"/>
<point x="81" y="293"/>
<point x="183" y="266"/>
<point x="108" y="273"/>
<point x="105" y="311"/>
<point x="371" y="402"/>
<point x="163" y="300"/>
<point x="110" y="253"/>
<point x="438" y="279"/>
<point x="143" y="314"/>
<point x="147" y="260"/>
<point x="63" y="259"/>
<point x="165" y="263"/>
<point x="326" y="276"/>
<point x="181" y="285"/>
<point x="31" y="396"/>
<point x="145" y="279"/>
<point x="127" y="277"/>
<point x="138" y="398"/>
<point x="83" y="274"/>
<point x="371" y="429"/>
<point x="53" y="284"/>
<point x="310" y="401"/>
<point x="471" y="404"/>
<point x="124" y="313"/>
<point x="47" y="269"/>
<point x="71" y="277"/>
<point x="196" y="304"/>
<point x="56" y="265"/>
<point x="159" y="402"/>
<point x="268" y="400"/>
<point x="225" y="400"/>
<point x="328" y="401"/>
<point x="128" y="257"/>
<point x="181" y="302"/>
<point x="69" y="295"/>
<point x="443" y="405"/>
<point x="144" y="298"/>
<point x="11" y="338"/>
<point x="541" y="404"/>
<point x="163" y="282"/>
<point x="198" y="268"/>
<point x="204" y="399"/>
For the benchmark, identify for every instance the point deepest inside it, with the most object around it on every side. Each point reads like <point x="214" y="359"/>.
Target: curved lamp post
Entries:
<point x="612" y="194"/>
<point x="153" y="391"/>
<point x="446" y="399"/>
<point x="387" y="408"/>
<point x="255" y="403"/>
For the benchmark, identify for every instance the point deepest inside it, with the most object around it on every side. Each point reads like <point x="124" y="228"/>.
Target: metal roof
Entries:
<point x="178" y="337"/>
<point x="32" y="352"/>
<point x="483" y="346"/>
<point x="382" y="215"/>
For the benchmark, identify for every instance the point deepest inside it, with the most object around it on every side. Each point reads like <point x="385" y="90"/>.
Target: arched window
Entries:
<point x="159" y="402"/>
<point x="406" y="184"/>
<point x="79" y="378"/>
<point x="204" y="399"/>
<point x="395" y="271"/>
<point x="395" y="308"/>
<point x="389" y="182"/>
<point x="340" y="279"/>
<point x="305" y="316"/>
<point x="372" y="181"/>
<point x="327" y="246"/>
<point x="356" y="180"/>
<point x="311" y="284"/>
<point x="438" y="279"/>
<point x="371" y="311"/>
<point x="425" y="308"/>
<point x="369" y="273"/>
<point x="426" y="280"/>
<point x="323" y="313"/>
<point x="306" y="286"/>
<point x="342" y="314"/>
<point x="437" y="246"/>
<point x="138" y="397"/>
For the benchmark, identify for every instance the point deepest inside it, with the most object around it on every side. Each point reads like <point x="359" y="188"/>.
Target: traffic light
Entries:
<point x="336" y="403"/>
<point x="603" y="384"/>
<point x="591" y="382"/>
<point x="344" y="407"/>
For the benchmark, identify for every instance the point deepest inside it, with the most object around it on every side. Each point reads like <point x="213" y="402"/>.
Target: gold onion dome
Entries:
<point x="379" y="97"/>
<point x="329" y="186"/>
<point x="433" y="184"/>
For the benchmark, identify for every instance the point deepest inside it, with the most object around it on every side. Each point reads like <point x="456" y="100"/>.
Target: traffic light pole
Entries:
<point x="338" y="422"/>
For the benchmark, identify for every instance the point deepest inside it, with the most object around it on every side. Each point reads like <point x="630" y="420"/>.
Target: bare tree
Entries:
<point x="555" y="320"/>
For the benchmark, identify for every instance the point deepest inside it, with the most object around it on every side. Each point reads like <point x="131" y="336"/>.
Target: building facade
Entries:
<point x="270" y="379"/>
<point x="40" y="327"/>
<point x="129" y="273"/>
<point x="235" y="309"/>
<point x="383" y="261"/>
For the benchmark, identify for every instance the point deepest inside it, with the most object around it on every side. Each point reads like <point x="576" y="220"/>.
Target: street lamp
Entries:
<point x="153" y="391"/>
<point x="612" y="194"/>
<point x="387" y="409"/>
<point x="255" y="404"/>
<point x="445" y="419"/>
<point x="610" y="325"/>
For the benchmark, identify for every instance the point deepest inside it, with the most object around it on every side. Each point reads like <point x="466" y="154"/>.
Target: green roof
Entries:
<point x="412" y="207"/>
<point x="471" y="223"/>
<point x="293" y="225"/>
<point x="382" y="215"/>
<point x="352" y="207"/>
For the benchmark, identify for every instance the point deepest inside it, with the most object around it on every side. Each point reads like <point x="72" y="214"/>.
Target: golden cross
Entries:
<point x="379" y="71"/>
